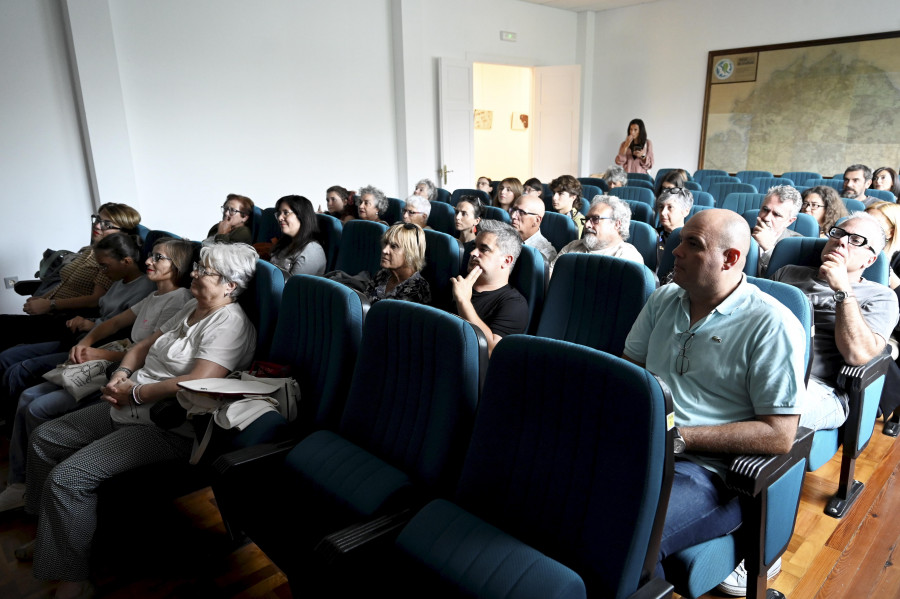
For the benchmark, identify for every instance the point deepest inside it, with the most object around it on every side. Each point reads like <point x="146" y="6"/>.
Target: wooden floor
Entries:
<point x="190" y="555"/>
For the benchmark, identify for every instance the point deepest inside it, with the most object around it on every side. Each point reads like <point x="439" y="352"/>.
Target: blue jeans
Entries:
<point x="700" y="508"/>
<point x="22" y="366"/>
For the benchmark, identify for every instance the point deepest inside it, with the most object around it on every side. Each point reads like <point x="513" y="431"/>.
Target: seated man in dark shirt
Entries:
<point x="484" y="296"/>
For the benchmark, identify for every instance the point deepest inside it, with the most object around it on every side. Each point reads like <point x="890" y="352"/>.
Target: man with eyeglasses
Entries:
<point x="853" y="317"/>
<point x="779" y="209"/>
<point x="735" y="381"/>
<point x="605" y="232"/>
<point x="527" y="214"/>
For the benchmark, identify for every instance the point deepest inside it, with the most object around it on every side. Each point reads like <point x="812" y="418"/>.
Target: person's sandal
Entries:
<point x="25" y="553"/>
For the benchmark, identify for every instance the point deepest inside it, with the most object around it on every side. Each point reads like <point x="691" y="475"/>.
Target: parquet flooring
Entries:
<point x="186" y="552"/>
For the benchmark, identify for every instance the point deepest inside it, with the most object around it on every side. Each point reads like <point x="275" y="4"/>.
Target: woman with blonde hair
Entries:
<point x="402" y="261"/>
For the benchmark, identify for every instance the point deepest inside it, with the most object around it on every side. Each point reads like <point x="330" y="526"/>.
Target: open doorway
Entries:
<point x="503" y="112"/>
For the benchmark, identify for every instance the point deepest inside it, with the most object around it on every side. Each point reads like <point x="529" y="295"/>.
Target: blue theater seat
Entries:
<point x="330" y="231"/>
<point x="530" y="276"/>
<point x="360" y="247"/>
<point x="559" y="229"/>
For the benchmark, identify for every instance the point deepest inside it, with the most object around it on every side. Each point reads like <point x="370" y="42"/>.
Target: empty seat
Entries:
<point x="594" y="300"/>
<point x="719" y="191"/>
<point x="882" y="194"/>
<point x="267" y="227"/>
<point x="261" y="302"/>
<point x="693" y="186"/>
<point x="763" y="184"/>
<point x="534" y="514"/>
<point x="443" y="260"/>
<point x="641" y="212"/>
<point x="748" y="176"/>
<point x="703" y="198"/>
<point x="330" y="230"/>
<point x="596" y="181"/>
<point x="711" y="180"/>
<point x="360" y="247"/>
<point x="741" y="202"/>
<point x="801" y="177"/>
<point x="836" y="184"/>
<point x="644" y="237"/>
<point x="853" y="205"/>
<point x="442" y="218"/>
<point x="394" y="212"/>
<point x="634" y="193"/>
<point x="497" y="213"/>
<point x="530" y="276"/>
<point x="442" y="195"/>
<point x="703" y="173"/>
<point x="640" y="183"/>
<point x="640" y="177"/>
<point x="559" y="229"/>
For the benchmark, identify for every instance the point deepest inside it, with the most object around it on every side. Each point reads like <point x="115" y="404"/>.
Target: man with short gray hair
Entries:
<point x="779" y="209"/>
<point x="605" y="232"/>
<point x="853" y="317"/>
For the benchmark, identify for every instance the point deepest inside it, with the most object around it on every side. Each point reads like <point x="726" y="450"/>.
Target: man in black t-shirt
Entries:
<point x="484" y="296"/>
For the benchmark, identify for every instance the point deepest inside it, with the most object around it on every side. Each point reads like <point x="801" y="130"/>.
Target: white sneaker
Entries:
<point x="12" y="497"/>
<point x="736" y="583"/>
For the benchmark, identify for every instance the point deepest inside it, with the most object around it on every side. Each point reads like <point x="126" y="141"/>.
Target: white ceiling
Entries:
<point x="583" y="5"/>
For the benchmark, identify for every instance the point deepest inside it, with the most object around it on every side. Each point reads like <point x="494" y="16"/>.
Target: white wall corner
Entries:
<point x="99" y="101"/>
<point x="585" y="53"/>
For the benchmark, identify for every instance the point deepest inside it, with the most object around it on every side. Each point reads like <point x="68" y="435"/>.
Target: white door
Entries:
<point x="456" y="124"/>
<point x="557" y="103"/>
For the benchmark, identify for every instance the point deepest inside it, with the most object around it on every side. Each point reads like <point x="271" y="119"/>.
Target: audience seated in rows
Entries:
<point x="605" y="232"/>
<point x="341" y="204"/>
<point x="372" y="204"/>
<point x="484" y="296"/>
<point x="425" y="188"/>
<point x="672" y="208"/>
<point x="233" y="227"/>
<point x="778" y="210"/>
<point x="857" y="179"/>
<point x="615" y="176"/>
<point x="533" y="187"/>
<point x="416" y="211"/>
<point x="508" y="191"/>
<point x="169" y="267"/>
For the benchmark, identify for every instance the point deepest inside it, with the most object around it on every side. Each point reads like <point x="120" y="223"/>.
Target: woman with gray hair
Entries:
<point x="426" y="189"/>
<point x="615" y="176"/>
<point x="372" y="204"/>
<point x="417" y="211"/>
<point x="72" y="456"/>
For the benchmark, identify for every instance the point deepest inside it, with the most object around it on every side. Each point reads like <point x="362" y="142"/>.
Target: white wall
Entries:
<point x="47" y="199"/>
<point x="651" y="60"/>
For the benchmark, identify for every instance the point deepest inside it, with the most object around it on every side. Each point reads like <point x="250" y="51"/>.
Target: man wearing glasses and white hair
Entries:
<point x="853" y="317"/>
<point x="736" y="383"/>
<point x="605" y="231"/>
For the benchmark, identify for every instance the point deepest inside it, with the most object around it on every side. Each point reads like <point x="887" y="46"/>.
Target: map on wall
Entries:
<point x="817" y="107"/>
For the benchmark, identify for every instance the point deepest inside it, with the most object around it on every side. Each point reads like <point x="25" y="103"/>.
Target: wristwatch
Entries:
<point x="53" y="305"/>
<point x="840" y="296"/>
<point x="678" y="442"/>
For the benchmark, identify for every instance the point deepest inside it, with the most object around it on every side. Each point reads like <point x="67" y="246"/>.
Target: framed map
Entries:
<point x="808" y="106"/>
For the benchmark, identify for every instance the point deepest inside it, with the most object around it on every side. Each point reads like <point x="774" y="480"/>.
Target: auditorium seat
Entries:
<point x="749" y="176"/>
<point x="741" y="202"/>
<point x="596" y="181"/>
<point x="701" y="174"/>
<point x="394" y="212"/>
<point x="703" y="198"/>
<point x="400" y="442"/>
<point x="330" y="231"/>
<point x="640" y="183"/>
<point x="594" y="300"/>
<point x="442" y="218"/>
<point x="693" y="186"/>
<point x="863" y="384"/>
<point x="267" y="227"/>
<point x="853" y="205"/>
<point x="458" y="193"/>
<point x="261" y="302"/>
<point x="801" y="177"/>
<point x="882" y="194"/>
<point x="588" y="193"/>
<point x="711" y="180"/>
<point x="559" y="229"/>
<point x="443" y="260"/>
<point x="360" y="247"/>
<point x="836" y="184"/>
<point x="546" y="506"/>
<point x="763" y="184"/>
<point x="641" y="177"/>
<point x="644" y="237"/>
<point x="634" y="193"/>
<point x="719" y="191"/>
<point x="530" y="276"/>
<point x="497" y="213"/>
<point x="442" y="195"/>
<point x="641" y="211"/>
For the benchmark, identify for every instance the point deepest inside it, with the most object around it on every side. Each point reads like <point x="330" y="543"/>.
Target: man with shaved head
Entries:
<point x="735" y="379"/>
<point x="527" y="214"/>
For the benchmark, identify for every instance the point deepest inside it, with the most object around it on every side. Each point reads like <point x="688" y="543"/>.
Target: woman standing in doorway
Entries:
<point x="636" y="152"/>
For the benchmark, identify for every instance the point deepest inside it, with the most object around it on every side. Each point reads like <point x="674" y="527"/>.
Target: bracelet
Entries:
<point x="135" y="395"/>
<point x="127" y="371"/>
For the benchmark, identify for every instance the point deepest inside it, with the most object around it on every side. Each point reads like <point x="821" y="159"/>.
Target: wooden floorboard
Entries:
<point x="191" y="556"/>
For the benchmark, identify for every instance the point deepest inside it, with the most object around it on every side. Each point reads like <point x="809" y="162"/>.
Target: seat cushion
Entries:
<point x="696" y="570"/>
<point x="336" y="469"/>
<point x="480" y="559"/>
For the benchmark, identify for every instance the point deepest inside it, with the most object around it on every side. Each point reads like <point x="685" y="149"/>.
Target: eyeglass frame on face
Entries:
<point x="595" y="220"/>
<point x="806" y="204"/>
<point x="521" y="213"/>
<point x="203" y="272"/>
<point x="285" y="214"/>
<point x="156" y="257"/>
<point x="410" y="212"/>
<point x="682" y="362"/>
<point x="851" y="236"/>
<point x="226" y="209"/>
<point x="105" y="225"/>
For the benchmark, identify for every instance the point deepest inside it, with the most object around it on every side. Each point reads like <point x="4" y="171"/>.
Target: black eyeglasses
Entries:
<point x="409" y="226"/>
<point x="521" y="213"/>
<point x="226" y="209"/>
<point x="157" y="257"/>
<point x="682" y="362"/>
<point x="674" y="191"/>
<point x="595" y="220"/>
<point x="812" y="205"/>
<point x="105" y="225"/>
<point x="853" y="238"/>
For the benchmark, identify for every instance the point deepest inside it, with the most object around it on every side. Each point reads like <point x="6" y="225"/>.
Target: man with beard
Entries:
<point x="484" y="296"/>
<point x="857" y="179"/>
<point x="605" y="231"/>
